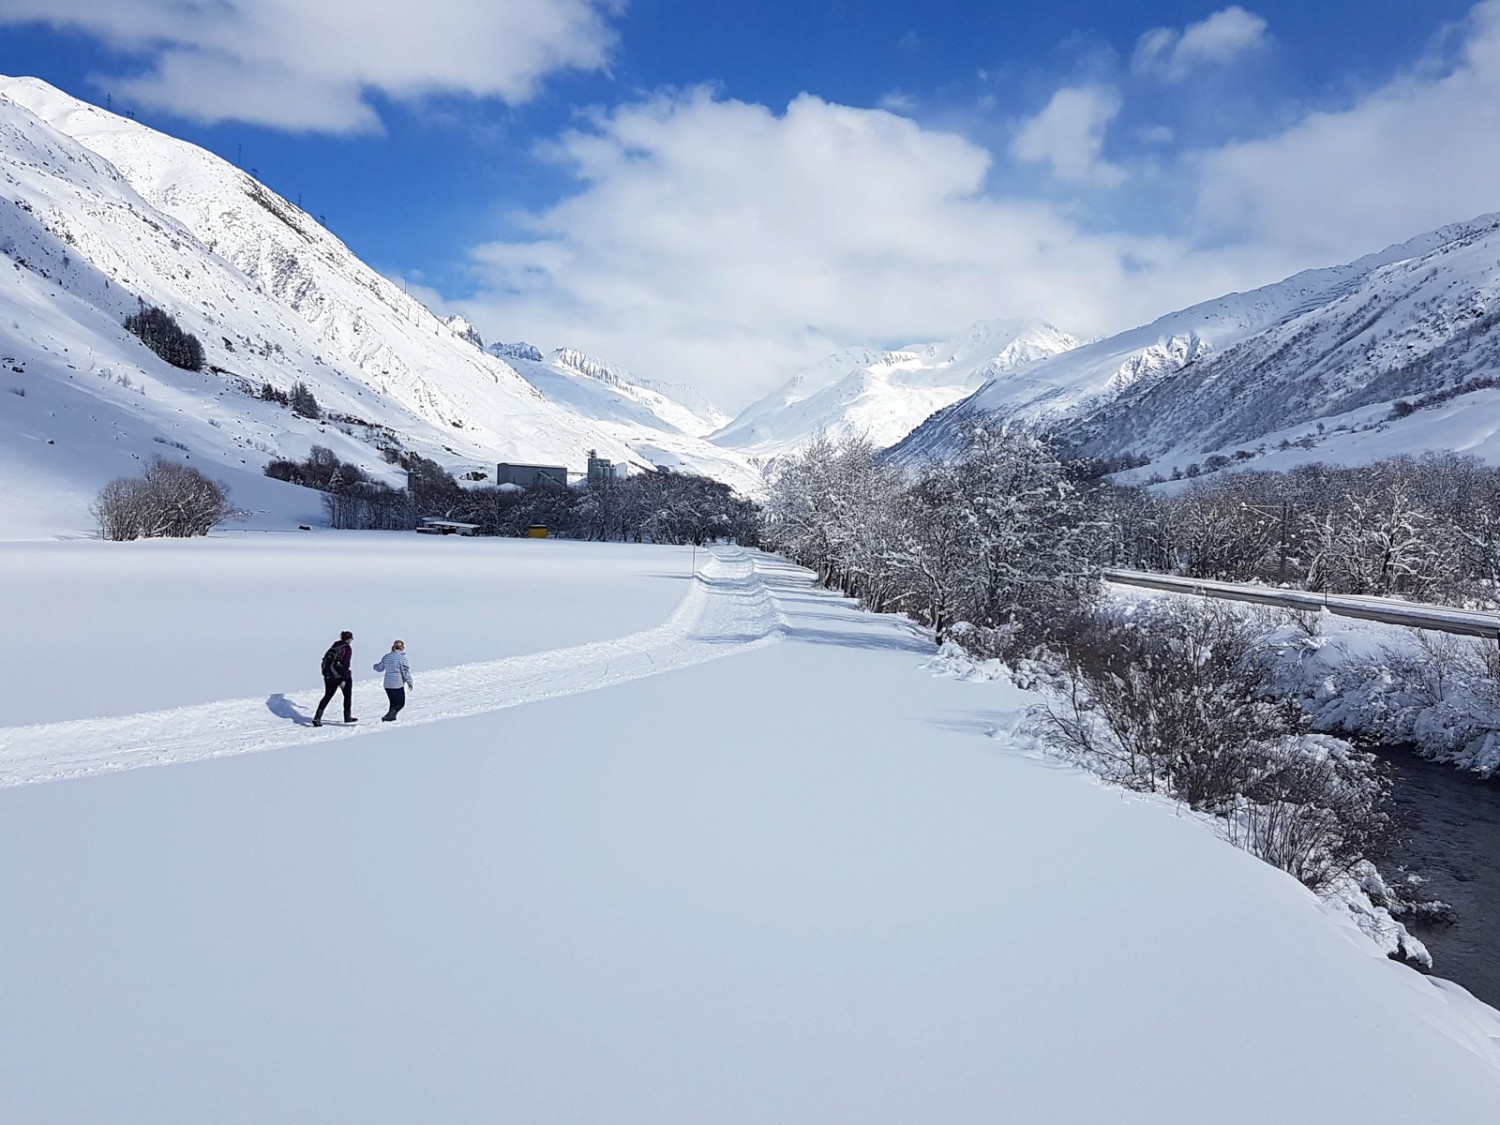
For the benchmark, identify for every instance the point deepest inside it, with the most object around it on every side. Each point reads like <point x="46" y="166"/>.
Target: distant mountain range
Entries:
<point x="883" y="395"/>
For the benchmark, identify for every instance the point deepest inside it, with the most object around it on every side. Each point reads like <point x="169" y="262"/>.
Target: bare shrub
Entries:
<point x="1308" y="622"/>
<point x="169" y="500"/>
<point x="1428" y="670"/>
<point x="1315" y="808"/>
<point x="1172" y="700"/>
<point x="1180" y="699"/>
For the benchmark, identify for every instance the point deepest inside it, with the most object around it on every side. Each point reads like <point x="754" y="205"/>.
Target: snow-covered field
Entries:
<point x="99" y="629"/>
<point x="737" y="855"/>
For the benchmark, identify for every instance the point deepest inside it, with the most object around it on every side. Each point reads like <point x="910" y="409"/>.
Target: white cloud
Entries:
<point x="307" y="64"/>
<point x="1226" y="35"/>
<point x="1069" y="135"/>
<point x="725" y="245"/>
<point x="1419" y="152"/>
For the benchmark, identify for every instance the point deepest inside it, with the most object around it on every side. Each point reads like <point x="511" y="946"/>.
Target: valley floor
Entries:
<point x="646" y="847"/>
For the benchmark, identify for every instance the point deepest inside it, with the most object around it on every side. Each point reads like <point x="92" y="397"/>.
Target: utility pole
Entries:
<point x="1286" y="516"/>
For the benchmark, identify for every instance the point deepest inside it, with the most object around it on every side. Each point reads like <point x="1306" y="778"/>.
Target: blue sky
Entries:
<point x="721" y="192"/>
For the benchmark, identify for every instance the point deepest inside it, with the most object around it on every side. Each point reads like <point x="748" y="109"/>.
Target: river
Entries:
<point x="1452" y="840"/>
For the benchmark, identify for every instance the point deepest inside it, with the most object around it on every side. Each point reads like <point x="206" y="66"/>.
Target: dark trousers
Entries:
<point x="397" y="696"/>
<point x="331" y="686"/>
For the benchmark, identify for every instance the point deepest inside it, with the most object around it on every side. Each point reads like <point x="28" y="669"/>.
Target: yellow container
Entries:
<point x="536" y="531"/>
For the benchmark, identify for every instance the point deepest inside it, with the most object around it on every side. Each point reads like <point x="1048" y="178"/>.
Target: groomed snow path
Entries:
<point x="729" y="608"/>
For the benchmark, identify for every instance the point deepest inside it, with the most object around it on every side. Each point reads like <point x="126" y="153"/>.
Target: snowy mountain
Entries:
<point x="653" y="425"/>
<point x="99" y="214"/>
<point x="885" y="394"/>
<point x="522" y="350"/>
<point x="465" y="330"/>
<point x="699" y="419"/>
<point x="1403" y="360"/>
<point x="1408" y="320"/>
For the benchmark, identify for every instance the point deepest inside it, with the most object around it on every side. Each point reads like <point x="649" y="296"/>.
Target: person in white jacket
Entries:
<point x="397" y="678"/>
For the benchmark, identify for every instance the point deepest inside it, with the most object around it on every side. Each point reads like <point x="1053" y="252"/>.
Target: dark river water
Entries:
<point x="1453" y="842"/>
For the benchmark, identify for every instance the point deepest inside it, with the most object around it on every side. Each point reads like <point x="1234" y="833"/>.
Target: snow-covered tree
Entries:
<point x="168" y="500"/>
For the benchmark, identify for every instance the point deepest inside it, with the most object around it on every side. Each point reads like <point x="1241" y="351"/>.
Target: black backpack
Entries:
<point x="331" y="661"/>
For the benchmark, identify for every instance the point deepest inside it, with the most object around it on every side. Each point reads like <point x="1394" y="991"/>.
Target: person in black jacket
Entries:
<point x="338" y="673"/>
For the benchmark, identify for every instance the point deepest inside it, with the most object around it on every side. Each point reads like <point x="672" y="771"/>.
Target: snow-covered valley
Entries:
<point x="674" y="834"/>
<point x="100" y="214"/>
<point x="752" y="861"/>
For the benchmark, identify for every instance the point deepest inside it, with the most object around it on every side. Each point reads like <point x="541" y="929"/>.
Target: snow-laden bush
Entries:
<point x="1435" y="691"/>
<point x="1181" y="699"/>
<point x="169" y="500"/>
<point x="164" y="336"/>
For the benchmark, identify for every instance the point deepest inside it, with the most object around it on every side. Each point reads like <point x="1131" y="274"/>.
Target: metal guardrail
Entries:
<point x="1391" y="611"/>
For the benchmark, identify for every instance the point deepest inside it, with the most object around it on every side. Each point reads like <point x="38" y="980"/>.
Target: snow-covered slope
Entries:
<point x="1131" y="366"/>
<point x="884" y="394"/>
<point x="657" y="428"/>
<point x="98" y="213"/>
<point x="1420" y="330"/>
<point x="675" y="404"/>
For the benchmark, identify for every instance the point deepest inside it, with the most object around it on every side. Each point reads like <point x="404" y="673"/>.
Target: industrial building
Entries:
<point x="530" y="476"/>
<point x="602" y="470"/>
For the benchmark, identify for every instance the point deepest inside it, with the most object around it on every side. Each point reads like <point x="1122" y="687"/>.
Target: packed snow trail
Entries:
<point x="729" y="608"/>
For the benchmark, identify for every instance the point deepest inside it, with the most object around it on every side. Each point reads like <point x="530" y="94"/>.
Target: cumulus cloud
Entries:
<point x="1068" y="134"/>
<point x="1422" y="151"/>
<point x="724" y="244"/>
<point x="308" y="66"/>
<point x="1172" y="55"/>
<point x="727" y="244"/>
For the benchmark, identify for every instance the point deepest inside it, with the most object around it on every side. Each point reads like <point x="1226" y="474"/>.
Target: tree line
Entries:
<point x="1423" y="527"/>
<point x="659" y="507"/>
<point x="999" y="552"/>
<point x="988" y="544"/>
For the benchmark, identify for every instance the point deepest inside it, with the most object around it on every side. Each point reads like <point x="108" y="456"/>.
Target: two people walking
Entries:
<point x="338" y="676"/>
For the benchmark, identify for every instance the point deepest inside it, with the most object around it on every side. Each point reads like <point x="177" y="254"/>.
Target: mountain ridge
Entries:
<point x="1108" y="394"/>
<point x="882" y="394"/>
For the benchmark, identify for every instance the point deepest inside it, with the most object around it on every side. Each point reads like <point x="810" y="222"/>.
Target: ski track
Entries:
<point x="730" y="608"/>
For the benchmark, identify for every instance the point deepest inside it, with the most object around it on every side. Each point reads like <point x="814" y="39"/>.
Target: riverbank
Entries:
<point x="1451" y="843"/>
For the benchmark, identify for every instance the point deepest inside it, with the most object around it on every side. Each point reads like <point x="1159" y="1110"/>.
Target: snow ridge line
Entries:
<point x="728" y="609"/>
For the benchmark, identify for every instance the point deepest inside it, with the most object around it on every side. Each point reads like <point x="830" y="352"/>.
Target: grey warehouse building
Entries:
<point x="529" y="476"/>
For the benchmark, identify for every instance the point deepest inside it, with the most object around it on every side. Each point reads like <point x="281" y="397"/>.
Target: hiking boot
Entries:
<point x="317" y="722"/>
